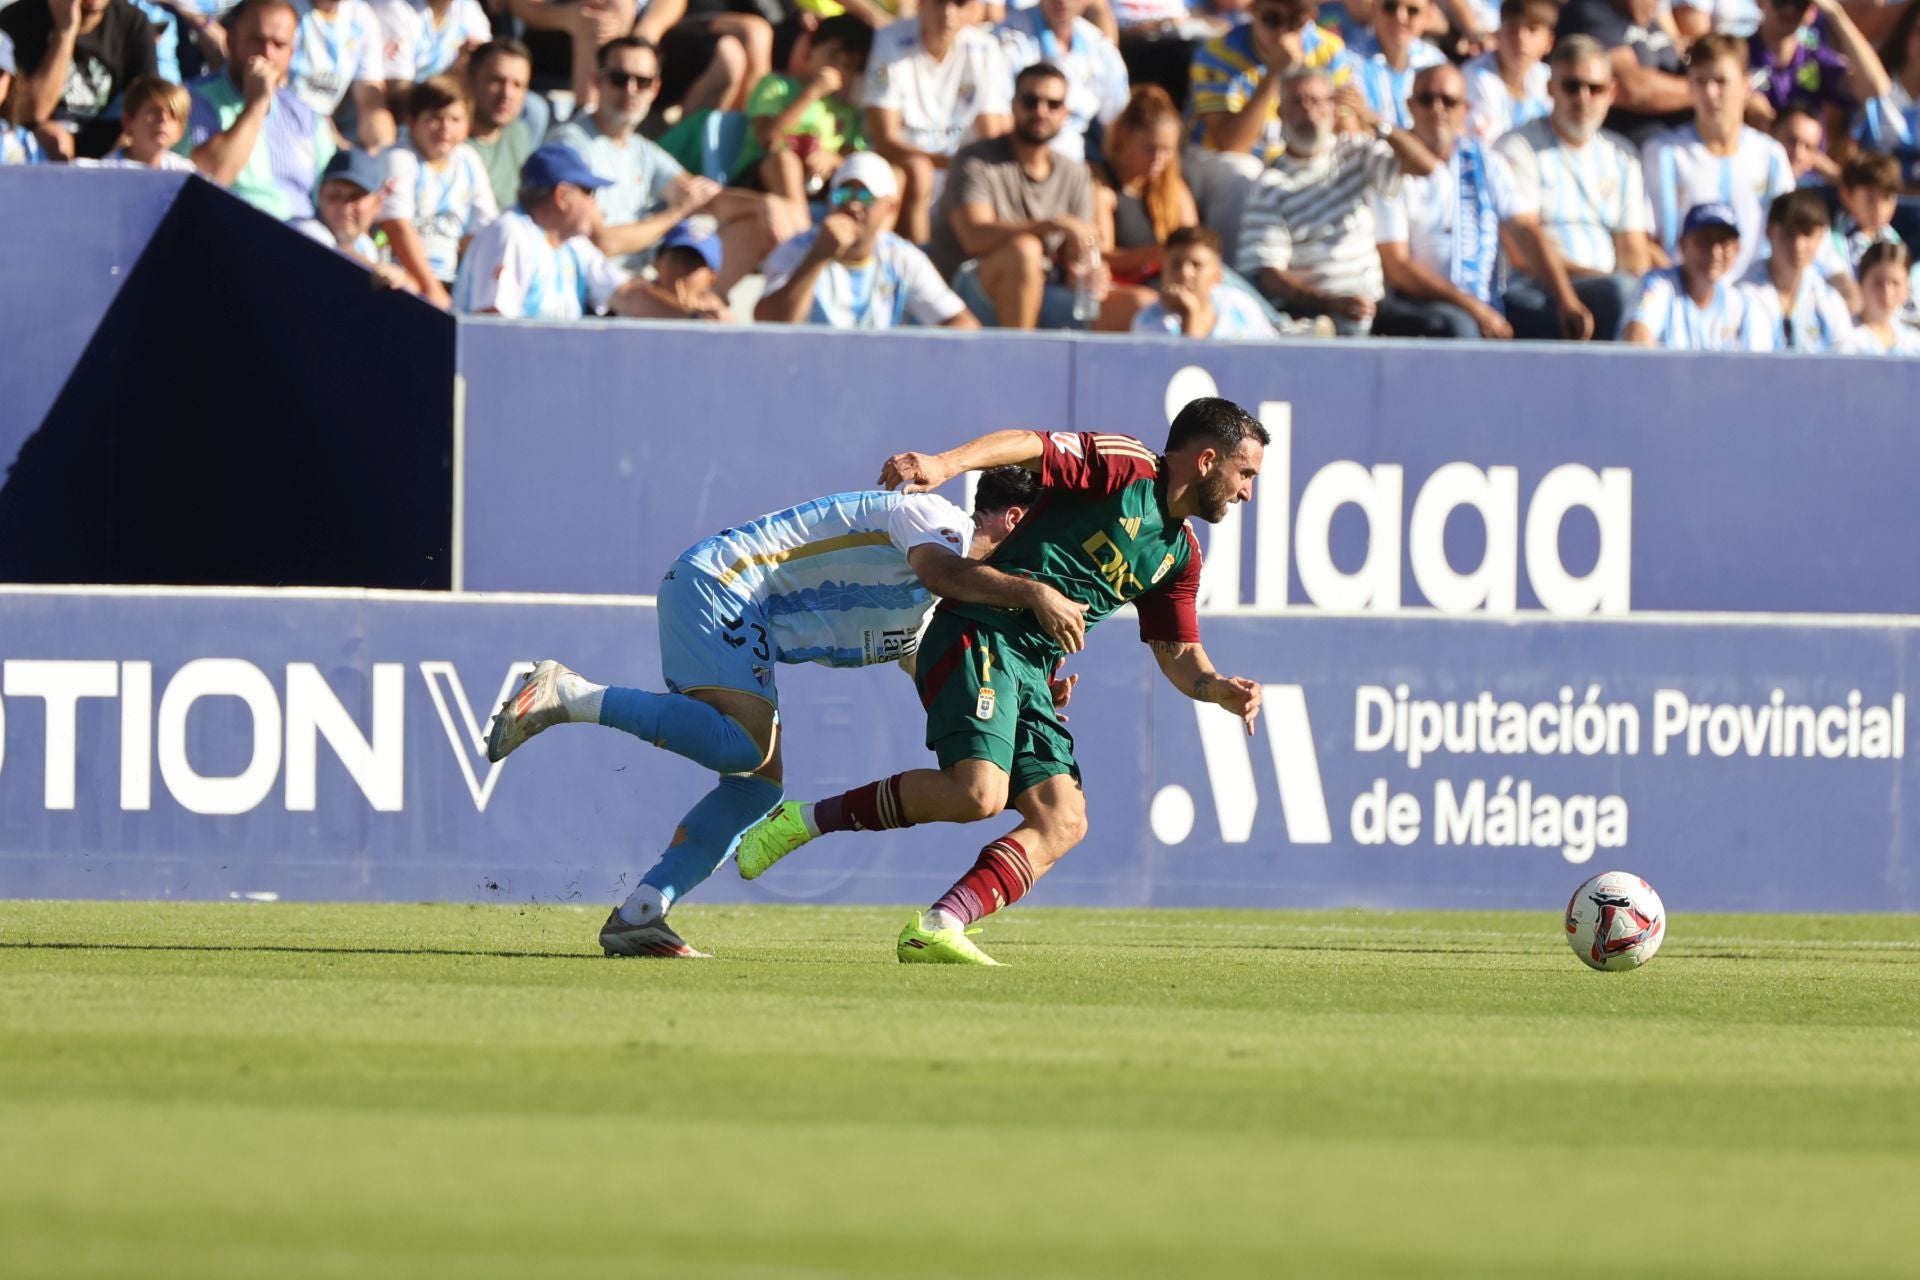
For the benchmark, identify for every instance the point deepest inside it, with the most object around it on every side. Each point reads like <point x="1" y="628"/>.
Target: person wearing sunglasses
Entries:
<point x="1591" y="195"/>
<point x="1233" y="92"/>
<point x="1838" y="71"/>
<point x="1386" y="73"/>
<point x="852" y="271"/>
<point x="1650" y="89"/>
<point x="1440" y="235"/>
<point x="1056" y="32"/>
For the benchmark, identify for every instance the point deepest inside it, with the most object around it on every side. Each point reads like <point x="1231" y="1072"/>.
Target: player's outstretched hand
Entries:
<point x="915" y="472"/>
<point x="1061" y="687"/>
<point x="1063" y="619"/>
<point x="1242" y="697"/>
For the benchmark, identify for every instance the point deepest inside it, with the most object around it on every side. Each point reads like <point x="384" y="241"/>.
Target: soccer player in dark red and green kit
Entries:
<point x="1110" y="528"/>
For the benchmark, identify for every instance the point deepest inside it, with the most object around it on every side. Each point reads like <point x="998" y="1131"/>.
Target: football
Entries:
<point x="1615" y="921"/>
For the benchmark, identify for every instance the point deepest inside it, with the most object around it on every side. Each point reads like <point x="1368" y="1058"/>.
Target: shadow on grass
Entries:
<point x="291" y="950"/>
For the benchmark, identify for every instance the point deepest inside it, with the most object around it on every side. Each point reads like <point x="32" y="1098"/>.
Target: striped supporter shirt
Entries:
<point x="1314" y="217"/>
<point x="1729" y="321"/>
<point x="334" y="51"/>
<point x="1226" y="73"/>
<point x="1585" y="195"/>
<point x="1387" y="90"/>
<point x="1682" y="173"/>
<point x="832" y="576"/>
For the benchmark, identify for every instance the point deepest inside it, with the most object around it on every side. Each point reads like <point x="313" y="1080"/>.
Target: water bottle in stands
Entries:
<point x="1086" y="305"/>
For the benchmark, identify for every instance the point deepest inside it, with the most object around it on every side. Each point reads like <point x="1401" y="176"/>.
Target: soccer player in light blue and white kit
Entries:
<point x="844" y="581"/>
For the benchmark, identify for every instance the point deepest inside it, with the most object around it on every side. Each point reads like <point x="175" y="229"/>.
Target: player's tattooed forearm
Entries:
<point x="1203" y="687"/>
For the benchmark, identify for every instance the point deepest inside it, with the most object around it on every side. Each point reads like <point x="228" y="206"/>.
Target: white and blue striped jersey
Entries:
<point x="1236" y="318"/>
<point x="1817" y="322"/>
<point x="1585" y="195"/>
<point x="1491" y="107"/>
<point x="334" y="51"/>
<point x="1682" y="173"/>
<point x="513" y="269"/>
<point x="1387" y="90"/>
<point x="831" y="576"/>
<point x="445" y="204"/>
<point x="897" y="283"/>
<point x="1892" y="124"/>
<point x="1729" y="321"/>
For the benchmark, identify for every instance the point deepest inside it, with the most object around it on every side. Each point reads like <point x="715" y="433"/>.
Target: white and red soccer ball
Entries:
<point x="1615" y="921"/>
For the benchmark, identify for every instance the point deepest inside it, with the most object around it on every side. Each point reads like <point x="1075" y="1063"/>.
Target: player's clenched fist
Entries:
<point x="915" y="472"/>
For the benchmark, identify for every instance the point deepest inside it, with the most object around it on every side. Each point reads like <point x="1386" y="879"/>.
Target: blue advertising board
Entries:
<point x="327" y="745"/>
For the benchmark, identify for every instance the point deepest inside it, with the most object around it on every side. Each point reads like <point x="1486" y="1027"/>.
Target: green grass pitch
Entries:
<point x="237" y="1090"/>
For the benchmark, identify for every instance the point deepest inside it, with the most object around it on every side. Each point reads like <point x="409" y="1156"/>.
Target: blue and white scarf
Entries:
<point x="1476" y="225"/>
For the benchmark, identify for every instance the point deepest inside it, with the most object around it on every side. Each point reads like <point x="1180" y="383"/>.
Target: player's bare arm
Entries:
<point x="957" y="577"/>
<point x="1188" y="669"/>
<point x="919" y="472"/>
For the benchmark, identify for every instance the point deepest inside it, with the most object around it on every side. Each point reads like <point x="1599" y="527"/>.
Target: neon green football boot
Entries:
<point x="951" y="945"/>
<point x="771" y="839"/>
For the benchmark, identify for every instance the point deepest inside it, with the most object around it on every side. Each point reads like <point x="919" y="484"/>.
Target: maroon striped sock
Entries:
<point x="873" y="807"/>
<point x="999" y="879"/>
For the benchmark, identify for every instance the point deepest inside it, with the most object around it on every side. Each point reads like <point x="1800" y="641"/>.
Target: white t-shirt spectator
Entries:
<point x="445" y="205"/>
<point x="1427" y="214"/>
<point x="1865" y="342"/>
<point x="333" y="52"/>
<point x="1727" y="323"/>
<point x="1682" y="173"/>
<point x="1315" y="217"/>
<point x="1819" y="320"/>
<point x="938" y="102"/>
<point x="513" y="269"/>
<point x="421" y="45"/>
<point x="1236" y="318"/>
<point x="1096" y="77"/>
<point x="1585" y="196"/>
<point x="166" y="161"/>
<point x="1733" y="17"/>
<point x="896" y="283"/>
<point x="1492" y="108"/>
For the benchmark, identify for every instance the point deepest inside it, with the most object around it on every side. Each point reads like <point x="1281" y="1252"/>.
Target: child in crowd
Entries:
<point x="153" y="116"/>
<point x="1869" y="189"/>
<point x="1193" y="301"/>
<point x="684" y="270"/>
<point x="17" y="143"/>
<point x="802" y="125"/>
<point x="1692" y="306"/>
<point x="1885" y="290"/>
<point x="437" y="191"/>
<point x="345" y="205"/>
<point x="1507" y="85"/>
<point x="1786" y="293"/>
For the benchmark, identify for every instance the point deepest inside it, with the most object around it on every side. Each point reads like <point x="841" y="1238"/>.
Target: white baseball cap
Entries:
<point x="868" y="169"/>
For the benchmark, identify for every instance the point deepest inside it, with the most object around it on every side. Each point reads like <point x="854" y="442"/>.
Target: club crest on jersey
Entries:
<point x="950" y="536"/>
<point x="1165" y="565"/>
<point x="983" y="706"/>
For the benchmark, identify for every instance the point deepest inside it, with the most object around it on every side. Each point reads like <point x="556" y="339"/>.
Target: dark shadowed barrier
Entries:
<point x="318" y="745"/>
<point x="242" y="408"/>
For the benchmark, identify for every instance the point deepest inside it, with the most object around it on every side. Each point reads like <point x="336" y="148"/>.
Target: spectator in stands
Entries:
<point x="154" y="114"/>
<point x="1592" y="200"/>
<point x="1891" y="123"/>
<point x="1308" y="238"/>
<point x="716" y="57"/>
<point x="1193" y="302"/>
<point x="1017" y="220"/>
<point x="804" y="124"/>
<point x="647" y="191"/>
<point x="1804" y="139"/>
<point x="338" y="52"/>
<point x="1695" y="18"/>
<point x="538" y="261"/>
<point x="1141" y="195"/>
<point x="247" y="130"/>
<point x="17" y="143"/>
<point x="1440" y="234"/>
<point x="1385" y="73"/>
<point x="349" y="199"/>
<point x="1650" y="85"/>
<point x="934" y="84"/>
<point x="1869" y="191"/>
<point x="438" y="194"/>
<point x="502" y="135"/>
<point x="1693" y="306"/>
<point x="75" y="58"/>
<point x="1717" y="157"/>
<point x="1886" y="292"/>
<point x="1835" y="72"/>
<point x="852" y="271"/>
<point x="1057" y="32"/>
<point x="436" y="37"/>
<point x="1158" y="38"/>
<point x="1801" y="311"/>
<point x="1507" y="85"/>
<point x="1234" y="97"/>
<point x="684" y="271"/>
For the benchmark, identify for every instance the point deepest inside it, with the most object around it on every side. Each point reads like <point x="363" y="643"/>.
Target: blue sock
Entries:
<point x="682" y="726"/>
<point x="713" y="826"/>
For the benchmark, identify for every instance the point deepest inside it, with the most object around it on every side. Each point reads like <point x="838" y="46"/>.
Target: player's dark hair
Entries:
<point x="846" y="32"/>
<point x="1212" y="420"/>
<point x="1003" y="487"/>
<point x="1800" y="210"/>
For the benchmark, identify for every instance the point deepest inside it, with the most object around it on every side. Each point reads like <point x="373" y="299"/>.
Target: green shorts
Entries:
<point x="987" y="699"/>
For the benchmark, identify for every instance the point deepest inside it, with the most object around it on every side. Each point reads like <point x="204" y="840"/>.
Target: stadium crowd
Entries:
<point x="1687" y="174"/>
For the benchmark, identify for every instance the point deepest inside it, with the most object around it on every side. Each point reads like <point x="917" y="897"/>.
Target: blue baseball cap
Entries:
<point x="1712" y="214"/>
<point x="359" y="168"/>
<point x="554" y="164"/>
<point x="686" y="236"/>
<point x="7" y="66"/>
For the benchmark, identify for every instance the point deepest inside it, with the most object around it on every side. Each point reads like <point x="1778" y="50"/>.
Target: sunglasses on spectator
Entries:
<point x="843" y="196"/>
<point x="1034" y="102"/>
<point x="1281" y="19"/>
<point x="628" y="80"/>
<point x="1574" y="86"/>
<point x="1445" y="100"/>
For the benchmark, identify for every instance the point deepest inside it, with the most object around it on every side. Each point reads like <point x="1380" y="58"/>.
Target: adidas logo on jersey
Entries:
<point x="1131" y="524"/>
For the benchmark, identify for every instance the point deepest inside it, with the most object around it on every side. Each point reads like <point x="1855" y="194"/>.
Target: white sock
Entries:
<point x="806" y="817"/>
<point x="935" y="920"/>
<point x="645" y="905"/>
<point x="581" y="698"/>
